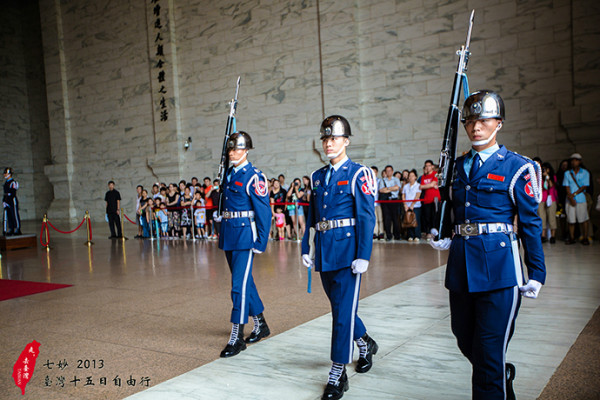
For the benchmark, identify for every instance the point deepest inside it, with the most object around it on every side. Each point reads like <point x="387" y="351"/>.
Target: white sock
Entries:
<point x="335" y="373"/>
<point x="362" y="347"/>
<point x="256" y="324"/>
<point x="235" y="328"/>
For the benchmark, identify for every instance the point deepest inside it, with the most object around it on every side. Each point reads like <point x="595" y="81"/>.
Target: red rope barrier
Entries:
<point x="288" y="204"/>
<point x="397" y="201"/>
<point x="127" y="218"/>
<point x="58" y="230"/>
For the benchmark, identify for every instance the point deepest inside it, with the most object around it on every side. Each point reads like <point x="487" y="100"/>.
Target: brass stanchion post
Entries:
<point x="123" y="238"/>
<point x="88" y="226"/>
<point x="45" y="231"/>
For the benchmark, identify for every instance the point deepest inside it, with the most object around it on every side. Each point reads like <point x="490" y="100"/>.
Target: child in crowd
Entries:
<point x="216" y="224"/>
<point x="199" y="213"/>
<point x="164" y="219"/>
<point x="151" y="229"/>
<point x="186" y="212"/>
<point x="280" y="222"/>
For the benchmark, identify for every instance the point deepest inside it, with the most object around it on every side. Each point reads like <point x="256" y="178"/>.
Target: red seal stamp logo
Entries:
<point x="260" y="188"/>
<point x="529" y="189"/>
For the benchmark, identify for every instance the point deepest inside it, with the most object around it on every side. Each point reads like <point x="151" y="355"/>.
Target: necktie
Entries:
<point x="475" y="166"/>
<point x="328" y="176"/>
<point x="229" y="174"/>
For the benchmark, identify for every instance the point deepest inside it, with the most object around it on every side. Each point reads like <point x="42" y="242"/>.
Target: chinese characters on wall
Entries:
<point x="159" y="67"/>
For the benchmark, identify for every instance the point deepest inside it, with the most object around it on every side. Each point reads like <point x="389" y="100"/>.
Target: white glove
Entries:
<point x="256" y="251"/>
<point x="359" y="266"/>
<point x="4" y="205"/>
<point x="307" y="261"/>
<point x="531" y="289"/>
<point x="442" y="244"/>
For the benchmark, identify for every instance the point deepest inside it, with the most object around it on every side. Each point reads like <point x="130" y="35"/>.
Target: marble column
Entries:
<point x="60" y="171"/>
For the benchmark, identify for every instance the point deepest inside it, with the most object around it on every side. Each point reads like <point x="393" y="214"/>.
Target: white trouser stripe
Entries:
<point x="514" y="242"/>
<point x="353" y="316"/>
<point x="513" y="309"/>
<point x="244" y="287"/>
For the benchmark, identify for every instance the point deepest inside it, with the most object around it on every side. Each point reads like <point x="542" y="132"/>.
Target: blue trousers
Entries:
<point x="342" y="288"/>
<point x="244" y="295"/>
<point x="483" y="324"/>
<point x="12" y="219"/>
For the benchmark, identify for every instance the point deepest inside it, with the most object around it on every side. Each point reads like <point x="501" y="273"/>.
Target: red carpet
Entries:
<point x="10" y="289"/>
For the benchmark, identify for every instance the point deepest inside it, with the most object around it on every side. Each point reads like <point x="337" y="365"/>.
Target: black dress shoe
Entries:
<point x="544" y="239"/>
<point x="365" y="364"/>
<point x="233" y="349"/>
<point x="258" y="333"/>
<point x="336" y="391"/>
<point x="510" y="377"/>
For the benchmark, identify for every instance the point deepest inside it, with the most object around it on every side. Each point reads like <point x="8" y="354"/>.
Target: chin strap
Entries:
<point x="241" y="160"/>
<point x="332" y="156"/>
<point x="483" y="142"/>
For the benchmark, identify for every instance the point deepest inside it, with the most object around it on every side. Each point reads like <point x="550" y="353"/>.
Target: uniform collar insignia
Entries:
<point x="317" y="183"/>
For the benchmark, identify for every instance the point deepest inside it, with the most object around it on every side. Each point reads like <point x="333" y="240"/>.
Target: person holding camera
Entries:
<point x="296" y="212"/>
<point x="547" y="208"/>
<point x="576" y="181"/>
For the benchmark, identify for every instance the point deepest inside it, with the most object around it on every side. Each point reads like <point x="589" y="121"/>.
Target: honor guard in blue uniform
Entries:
<point x="246" y="221"/>
<point x="492" y="188"/>
<point x="10" y="203"/>
<point x="342" y="212"/>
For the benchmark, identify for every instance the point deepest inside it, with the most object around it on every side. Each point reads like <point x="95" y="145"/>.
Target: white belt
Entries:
<point x="335" y="223"/>
<point x="478" y="229"/>
<point x="238" y="214"/>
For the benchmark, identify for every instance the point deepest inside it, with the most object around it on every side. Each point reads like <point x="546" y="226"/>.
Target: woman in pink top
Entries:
<point x="547" y="208"/>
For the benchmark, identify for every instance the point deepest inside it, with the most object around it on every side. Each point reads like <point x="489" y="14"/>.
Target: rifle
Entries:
<point x="448" y="153"/>
<point x="224" y="165"/>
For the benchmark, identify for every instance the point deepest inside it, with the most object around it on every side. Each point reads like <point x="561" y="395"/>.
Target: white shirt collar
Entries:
<point x="242" y="165"/>
<point x="485" y="154"/>
<point x="339" y="164"/>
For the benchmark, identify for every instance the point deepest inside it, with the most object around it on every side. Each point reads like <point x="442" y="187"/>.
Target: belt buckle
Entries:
<point x="323" y="225"/>
<point x="469" y="229"/>
<point x="227" y="215"/>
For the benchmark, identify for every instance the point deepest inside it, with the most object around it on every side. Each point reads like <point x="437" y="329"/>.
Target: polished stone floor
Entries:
<point x="156" y="314"/>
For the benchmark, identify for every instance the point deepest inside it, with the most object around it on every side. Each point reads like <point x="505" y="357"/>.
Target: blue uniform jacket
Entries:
<point x="247" y="191"/>
<point x="350" y="194"/>
<point x="505" y="186"/>
<point x="10" y="190"/>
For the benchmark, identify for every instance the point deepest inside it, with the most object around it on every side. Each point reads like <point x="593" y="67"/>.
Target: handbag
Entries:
<point x="384" y="196"/>
<point x="588" y="197"/>
<point x="410" y="219"/>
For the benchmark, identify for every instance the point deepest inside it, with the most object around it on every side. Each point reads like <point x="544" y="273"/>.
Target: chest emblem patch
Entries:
<point x="493" y="177"/>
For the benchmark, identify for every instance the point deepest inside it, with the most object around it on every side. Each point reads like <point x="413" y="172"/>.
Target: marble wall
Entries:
<point x="387" y="65"/>
<point x="24" y="135"/>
